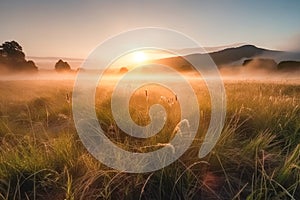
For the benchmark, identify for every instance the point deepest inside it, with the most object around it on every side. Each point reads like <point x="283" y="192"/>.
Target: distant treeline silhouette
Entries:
<point x="12" y="59"/>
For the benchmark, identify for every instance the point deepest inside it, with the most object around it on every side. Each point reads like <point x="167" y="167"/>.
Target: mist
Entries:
<point x="251" y="72"/>
<point x="40" y="75"/>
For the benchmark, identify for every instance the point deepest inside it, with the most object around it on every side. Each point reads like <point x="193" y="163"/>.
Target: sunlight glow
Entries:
<point x="139" y="57"/>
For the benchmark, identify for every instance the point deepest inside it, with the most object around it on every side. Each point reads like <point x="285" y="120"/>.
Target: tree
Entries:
<point x="29" y="66"/>
<point x="10" y="47"/>
<point x="62" y="66"/>
<point x="12" y="51"/>
<point x="13" y="58"/>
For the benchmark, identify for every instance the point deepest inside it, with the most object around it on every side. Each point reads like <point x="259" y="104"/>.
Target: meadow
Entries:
<point x="256" y="157"/>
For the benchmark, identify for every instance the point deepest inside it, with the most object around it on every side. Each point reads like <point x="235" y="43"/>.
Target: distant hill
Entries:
<point x="231" y="57"/>
<point x="225" y="56"/>
<point x="188" y="51"/>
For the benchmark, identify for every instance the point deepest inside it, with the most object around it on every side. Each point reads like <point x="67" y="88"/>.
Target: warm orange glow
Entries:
<point x="139" y="57"/>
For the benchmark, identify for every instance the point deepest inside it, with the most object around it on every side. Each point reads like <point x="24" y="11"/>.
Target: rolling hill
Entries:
<point x="232" y="57"/>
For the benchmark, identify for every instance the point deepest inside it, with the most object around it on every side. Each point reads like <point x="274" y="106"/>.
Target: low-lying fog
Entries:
<point x="232" y="73"/>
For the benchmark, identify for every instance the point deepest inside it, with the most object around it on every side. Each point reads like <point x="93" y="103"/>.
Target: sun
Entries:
<point x="139" y="57"/>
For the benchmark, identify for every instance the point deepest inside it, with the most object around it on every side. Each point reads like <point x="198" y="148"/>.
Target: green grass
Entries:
<point x="256" y="157"/>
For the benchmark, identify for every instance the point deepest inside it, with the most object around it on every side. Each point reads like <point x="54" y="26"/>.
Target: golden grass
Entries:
<point x="257" y="156"/>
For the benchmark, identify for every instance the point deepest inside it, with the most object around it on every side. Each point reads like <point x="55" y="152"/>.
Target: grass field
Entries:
<point x="256" y="157"/>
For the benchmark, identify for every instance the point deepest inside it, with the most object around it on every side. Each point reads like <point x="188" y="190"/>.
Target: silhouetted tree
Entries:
<point x="62" y="66"/>
<point x="29" y="66"/>
<point x="12" y="51"/>
<point x="12" y="56"/>
<point x="9" y="48"/>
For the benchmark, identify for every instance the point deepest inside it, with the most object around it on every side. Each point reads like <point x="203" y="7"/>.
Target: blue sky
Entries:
<point x="74" y="28"/>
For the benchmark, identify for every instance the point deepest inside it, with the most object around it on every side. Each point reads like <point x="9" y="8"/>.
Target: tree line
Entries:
<point x="12" y="59"/>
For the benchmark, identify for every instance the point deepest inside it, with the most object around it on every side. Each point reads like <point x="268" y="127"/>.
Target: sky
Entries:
<point x="65" y="28"/>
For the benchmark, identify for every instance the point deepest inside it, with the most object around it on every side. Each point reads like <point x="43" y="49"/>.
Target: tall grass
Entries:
<point x="256" y="157"/>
